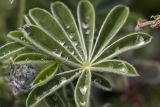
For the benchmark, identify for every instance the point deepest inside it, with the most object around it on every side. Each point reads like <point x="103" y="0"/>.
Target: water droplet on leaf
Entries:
<point x="85" y="26"/>
<point x="57" y="52"/>
<point x="88" y="31"/>
<point x="83" y="103"/>
<point x="140" y="41"/>
<point x="83" y="90"/>
<point x="61" y="42"/>
<point x="97" y="81"/>
<point x="67" y="26"/>
<point x="62" y="80"/>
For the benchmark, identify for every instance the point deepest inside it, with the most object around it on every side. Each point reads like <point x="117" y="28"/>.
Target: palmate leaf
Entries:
<point x="57" y="43"/>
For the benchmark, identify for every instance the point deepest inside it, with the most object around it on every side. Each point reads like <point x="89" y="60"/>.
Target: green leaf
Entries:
<point x="40" y="93"/>
<point x="64" y="16"/>
<point x="19" y="37"/>
<point x="49" y="45"/>
<point x="82" y="90"/>
<point x="45" y="75"/>
<point x="115" y="66"/>
<point x="32" y="58"/>
<point x="55" y="100"/>
<point x="10" y="49"/>
<point x="129" y="42"/>
<point x="110" y="27"/>
<point x="86" y="20"/>
<point x="101" y="82"/>
<point x="52" y="28"/>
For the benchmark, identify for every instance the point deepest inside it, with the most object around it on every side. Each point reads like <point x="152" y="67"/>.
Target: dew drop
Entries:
<point x="140" y="41"/>
<point x="38" y="98"/>
<point x="75" y="43"/>
<point x="66" y="47"/>
<point x="67" y="26"/>
<point x="27" y="29"/>
<point x="85" y="26"/>
<point x="71" y="35"/>
<point x="122" y="68"/>
<point x="72" y="52"/>
<point x="42" y="60"/>
<point x="62" y="80"/>
<point x="82" y="103"/>
<point x="27" y="60"/>
<point x="88" y="31"/>
<point x="66" y="58"/>
<point x="61" y="42"/>
<point x="97" y="81"/>
<point x="57" y="52"/>
<point x="83" y="90"/>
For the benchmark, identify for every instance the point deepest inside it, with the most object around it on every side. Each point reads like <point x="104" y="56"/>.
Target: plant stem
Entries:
<point x="22" y="8"/>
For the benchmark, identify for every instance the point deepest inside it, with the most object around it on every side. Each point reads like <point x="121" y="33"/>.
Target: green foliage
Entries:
<point x="53" y="39"/>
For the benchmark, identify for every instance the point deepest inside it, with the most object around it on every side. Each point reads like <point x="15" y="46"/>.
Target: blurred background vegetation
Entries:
<point x="143" y="91"/>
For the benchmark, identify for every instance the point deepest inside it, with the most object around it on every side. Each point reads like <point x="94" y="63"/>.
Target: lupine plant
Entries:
<point x="69" y="52"/>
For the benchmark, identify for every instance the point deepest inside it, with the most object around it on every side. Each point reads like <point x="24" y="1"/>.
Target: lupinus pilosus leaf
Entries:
<point x="57" y="37"/>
